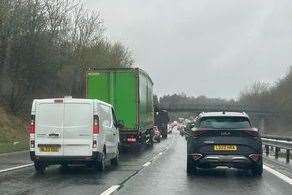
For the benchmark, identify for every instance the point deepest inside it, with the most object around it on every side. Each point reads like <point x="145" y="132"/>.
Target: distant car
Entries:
<point x="224" y="139"/>
<point x="157" y="134"/>
<point x="73" y="131"/>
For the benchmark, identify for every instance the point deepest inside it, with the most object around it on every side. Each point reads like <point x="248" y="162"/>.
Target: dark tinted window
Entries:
<point x="225" y="123"/>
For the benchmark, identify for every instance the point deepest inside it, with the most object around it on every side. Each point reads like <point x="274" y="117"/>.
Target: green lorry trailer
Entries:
<point x="130" y="91"/>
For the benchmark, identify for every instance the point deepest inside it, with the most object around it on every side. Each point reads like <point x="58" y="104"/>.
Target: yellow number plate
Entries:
<point x="225" y="148"/>
<point x="49" y="149"/>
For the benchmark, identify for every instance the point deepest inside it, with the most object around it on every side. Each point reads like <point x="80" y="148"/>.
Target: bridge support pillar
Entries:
<point x="267" y="148"/>
<point x="277" y="150"/>
<point x="287" y="156"/>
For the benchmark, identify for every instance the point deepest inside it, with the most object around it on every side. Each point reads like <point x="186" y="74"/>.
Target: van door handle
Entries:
<point x="114" y="133"/>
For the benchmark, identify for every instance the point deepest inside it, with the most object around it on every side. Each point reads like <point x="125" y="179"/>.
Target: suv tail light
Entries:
<point x="95" y="129"/>
<point x="252" y="133"/>
<point x="198" y="133"/>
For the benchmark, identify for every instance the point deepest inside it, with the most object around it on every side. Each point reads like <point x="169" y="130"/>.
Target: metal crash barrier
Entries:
<point x="277" y="143"/>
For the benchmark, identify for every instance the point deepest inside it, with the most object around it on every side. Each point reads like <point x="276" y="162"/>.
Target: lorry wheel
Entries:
<point x="151" y="142"/>
<point x="40" y="167"/>
<point x="101" y="162"/>
<point x="115" y="161"/>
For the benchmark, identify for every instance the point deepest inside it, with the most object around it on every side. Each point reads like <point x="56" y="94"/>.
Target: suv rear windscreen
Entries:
<point x="225" y="123"/>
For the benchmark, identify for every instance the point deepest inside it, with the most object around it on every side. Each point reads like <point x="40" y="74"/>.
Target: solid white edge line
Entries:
<point x="15" y="168"/>
<point x="110" y="190"/>
<point x="278" y="174"/>
<point x="147" y="164"/>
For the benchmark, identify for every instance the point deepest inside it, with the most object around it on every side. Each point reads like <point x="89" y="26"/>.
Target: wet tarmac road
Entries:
<point x="160" y="170"/>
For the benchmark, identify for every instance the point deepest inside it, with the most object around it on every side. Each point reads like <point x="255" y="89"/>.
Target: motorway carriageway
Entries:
<point x="160" y="170"/>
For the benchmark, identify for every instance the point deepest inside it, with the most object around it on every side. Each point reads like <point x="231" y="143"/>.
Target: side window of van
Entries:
<point x="107" y="120"/>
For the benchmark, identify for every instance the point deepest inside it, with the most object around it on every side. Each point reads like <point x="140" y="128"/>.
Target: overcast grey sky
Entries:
<point x="203" y="47"/>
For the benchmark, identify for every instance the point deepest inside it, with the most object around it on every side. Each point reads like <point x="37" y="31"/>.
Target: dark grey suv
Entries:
<point x="224" y="139"/>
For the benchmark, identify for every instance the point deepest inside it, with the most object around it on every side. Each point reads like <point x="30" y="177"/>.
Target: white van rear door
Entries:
<point x="78" y="121"/>
<point x="49" y="128"/>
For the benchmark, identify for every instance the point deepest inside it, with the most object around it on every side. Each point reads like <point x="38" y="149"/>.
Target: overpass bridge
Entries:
<point x="198" y="108"/>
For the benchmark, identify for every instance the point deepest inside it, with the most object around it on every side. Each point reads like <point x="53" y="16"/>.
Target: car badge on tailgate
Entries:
<point x="225" y="133"/>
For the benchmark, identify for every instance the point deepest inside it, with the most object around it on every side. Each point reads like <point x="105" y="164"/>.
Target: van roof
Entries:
<point x="68" y="99"/>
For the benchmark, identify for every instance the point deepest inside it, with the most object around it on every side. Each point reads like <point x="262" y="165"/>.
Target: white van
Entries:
<point x="73" y="131"/>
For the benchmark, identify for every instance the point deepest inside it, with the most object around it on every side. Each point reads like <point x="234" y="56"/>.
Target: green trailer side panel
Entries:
<point x="98" y="86"/>
<point x="125" y="101"/>
<point x="118" y="88"/>
<point x="146" y="112"/>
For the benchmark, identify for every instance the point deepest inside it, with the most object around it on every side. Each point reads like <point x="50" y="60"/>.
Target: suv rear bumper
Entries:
<point x="65" y="159"/>
<point x="236" y="161"/>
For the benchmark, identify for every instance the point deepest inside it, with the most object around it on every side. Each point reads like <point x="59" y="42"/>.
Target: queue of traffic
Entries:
<point x="117" y="113"/>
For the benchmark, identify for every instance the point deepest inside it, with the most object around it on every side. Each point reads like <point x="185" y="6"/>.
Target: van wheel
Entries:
<point x="40" y="167"/>
<point x="115" y="161"/>
<point x="101" y="162"/>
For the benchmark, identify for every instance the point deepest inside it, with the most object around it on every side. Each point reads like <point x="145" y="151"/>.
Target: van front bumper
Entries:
<point x="65" y="159"/>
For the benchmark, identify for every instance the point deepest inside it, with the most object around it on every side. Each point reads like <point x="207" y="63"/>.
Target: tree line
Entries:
<point x="273" y="100"/>
<point x="275" y="97"/>
<point x="46" y="46"/>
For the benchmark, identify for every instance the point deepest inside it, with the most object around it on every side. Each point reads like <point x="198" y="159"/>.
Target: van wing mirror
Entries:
<point x="120" y="124"/>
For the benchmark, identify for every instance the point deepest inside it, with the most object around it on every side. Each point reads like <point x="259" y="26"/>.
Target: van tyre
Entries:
<point x="191" y="166"/>
<point x="101" y="162"/>
<point x="115" y="161"/>
<point x="40" y="167"/>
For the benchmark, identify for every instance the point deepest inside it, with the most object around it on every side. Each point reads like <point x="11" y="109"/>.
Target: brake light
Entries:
<point x="31" y="127"/>
<point x="131" y="139"/>
<point x="95" y="129"/>
<point x="198" y="133"/>
<point x="252" y="133"/>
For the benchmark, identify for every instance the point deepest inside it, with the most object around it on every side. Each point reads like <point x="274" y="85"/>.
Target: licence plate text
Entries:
<point x="225" y="148"/>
